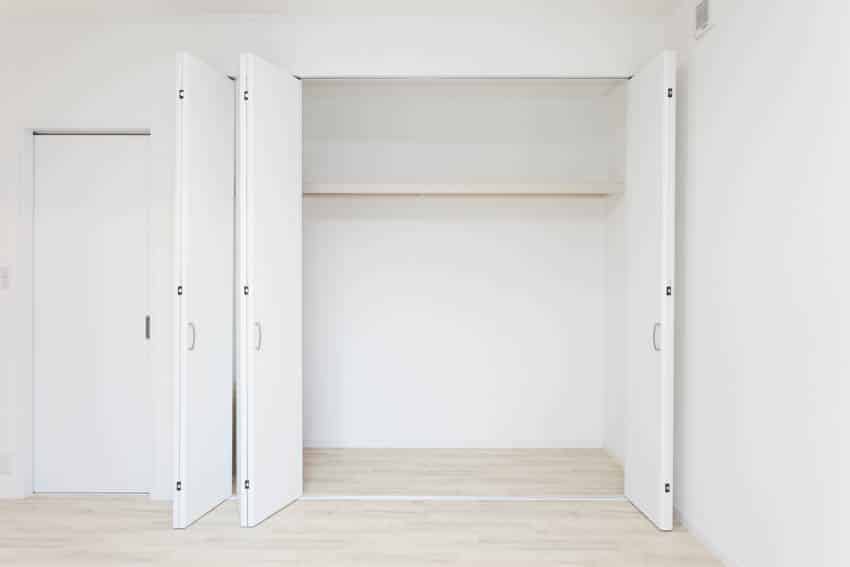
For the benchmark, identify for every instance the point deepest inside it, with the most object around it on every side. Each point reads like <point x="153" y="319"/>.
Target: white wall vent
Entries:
<point x="703" y="18"/>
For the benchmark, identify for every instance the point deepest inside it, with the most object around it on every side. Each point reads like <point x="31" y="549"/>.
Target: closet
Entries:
<point x="476" y="264"/>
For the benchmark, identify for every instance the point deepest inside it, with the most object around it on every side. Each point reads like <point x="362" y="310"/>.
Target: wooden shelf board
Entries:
<point x="465" y="189"/>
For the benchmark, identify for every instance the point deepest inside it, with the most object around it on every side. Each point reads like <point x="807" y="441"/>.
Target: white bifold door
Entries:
<point x="204" y="291"/>
<point x="269" y="328"/>
<point x="650" y="226"/>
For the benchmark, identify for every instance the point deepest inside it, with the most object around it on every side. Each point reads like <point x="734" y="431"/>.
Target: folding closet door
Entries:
<point x="650" y="226"/>
<point x="204" y="290"/>
<point x="270" y="389"/>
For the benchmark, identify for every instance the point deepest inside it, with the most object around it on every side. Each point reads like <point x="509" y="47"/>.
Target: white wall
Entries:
<point x="453" y="322"/>
<point x="457" y="322"/>
<point x="763" y="279"/>
<point x="615" y="336"/>
<point x="83" y="75"/>
<point x="484" y="132"/>
<point x="476" y="37"/>
<point x="98" y="67"/>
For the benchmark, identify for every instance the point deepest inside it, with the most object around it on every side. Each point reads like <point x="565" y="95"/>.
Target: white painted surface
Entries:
<point x="476" y="37"/>
<point x="453" y="321"/>
<point x="601" y="188"/>
<point x="463" y="136"/>
<point x="649" y="218"/>
<point x="110" y="71"/>
<point x="485" y="312"/>
<point x="270" y="385"/>
<point x="616" y="332"/>
<point x="106" y="75"/>
<point x="761" y="396"/>
<point x="204" y="269"/>
<point x="92" y="419"/>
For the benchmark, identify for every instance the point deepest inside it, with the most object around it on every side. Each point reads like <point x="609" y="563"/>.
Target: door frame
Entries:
<point x="22" y="298"/>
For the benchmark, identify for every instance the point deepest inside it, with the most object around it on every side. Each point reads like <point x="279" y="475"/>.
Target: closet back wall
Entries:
<point x="453" y="321"/>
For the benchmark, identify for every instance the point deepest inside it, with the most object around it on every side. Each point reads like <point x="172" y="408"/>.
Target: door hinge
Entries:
<point x="147" y="327"/>
<point x="669" y="290"/>
<point x="245" y="290"/>
<point x="670" y="93"/>
<point x="181" y="94"/>
<point x="179" y="290"/>
<point x="244" y="95"/>
<point x="667" y="488"/>
<point x="247" y="485"/>
<point x="179" y="486"/>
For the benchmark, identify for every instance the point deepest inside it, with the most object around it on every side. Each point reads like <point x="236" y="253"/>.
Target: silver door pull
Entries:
<point x="194" y="335"/>
<point x="258" y="342"/>
<point x="655" y="328"/>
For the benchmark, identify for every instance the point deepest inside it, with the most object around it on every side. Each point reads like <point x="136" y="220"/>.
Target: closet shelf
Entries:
<point x="519" y="189"/>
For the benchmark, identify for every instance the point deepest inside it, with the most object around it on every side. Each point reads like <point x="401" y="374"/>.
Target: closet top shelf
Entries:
<point x="521" y="189"/>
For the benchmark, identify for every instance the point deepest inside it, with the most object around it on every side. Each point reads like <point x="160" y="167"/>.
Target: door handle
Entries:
<point x="258" y="336"/>
<point x="655" y="327"/>
<point x="194" y="335"/>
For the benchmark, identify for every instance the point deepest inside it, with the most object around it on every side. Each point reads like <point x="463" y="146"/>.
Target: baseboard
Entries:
<point x="159" y="495"/>
<point x="10" y="488"/>
<point x="702" y="538"/>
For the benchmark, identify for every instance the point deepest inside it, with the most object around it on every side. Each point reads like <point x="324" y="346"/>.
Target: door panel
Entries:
<point x="92" y="422"/>
<point x="650" y="226"/>
<point x="270" y="388"/>
<point x="204" y="294"/>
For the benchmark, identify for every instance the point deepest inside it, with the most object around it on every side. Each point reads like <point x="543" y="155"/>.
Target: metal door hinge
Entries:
<point x="147" y="327"/>
<point x="670" y="93"/>
<point x="667" y="488"/>
<point x="247" y="485"/>
<point x="179" y="290"/>
<point x="244" y="95"/>
<point x="181" y="94"/>
<point x="669" y="290"/>
<point x="179" y="486"/>
<point x="245" y="290"/>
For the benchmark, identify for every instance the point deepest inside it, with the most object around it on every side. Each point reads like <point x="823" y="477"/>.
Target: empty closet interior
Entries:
<point x="446" y="288"/>
<point x="463" y="287"/>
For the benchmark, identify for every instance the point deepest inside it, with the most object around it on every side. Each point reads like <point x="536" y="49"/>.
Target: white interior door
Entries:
<point x="204" y="289"/>
<point x="92" y="421"/>
<point x="270" y="386"/>
<point x="650" y="225"/>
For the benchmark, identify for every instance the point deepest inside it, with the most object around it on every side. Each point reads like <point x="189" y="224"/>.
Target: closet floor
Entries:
<point x="485" y="473"/>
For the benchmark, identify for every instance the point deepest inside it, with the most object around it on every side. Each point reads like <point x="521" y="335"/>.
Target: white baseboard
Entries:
<point x="10" y="488"/>
<point x="701" y="537"/>
<point x="427" y="498"/>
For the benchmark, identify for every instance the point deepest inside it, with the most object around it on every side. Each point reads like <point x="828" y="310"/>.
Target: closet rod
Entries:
<point x="463" y="77"/>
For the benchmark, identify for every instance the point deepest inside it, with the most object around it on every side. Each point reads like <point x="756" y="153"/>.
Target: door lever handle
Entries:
<point x="194" y="335"/>
<point x="655" y="345"/>
<point x="258" y="337"/>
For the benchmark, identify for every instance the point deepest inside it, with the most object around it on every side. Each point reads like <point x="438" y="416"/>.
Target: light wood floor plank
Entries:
<point x="113" y="530"/>
<point x="462" y="472"/>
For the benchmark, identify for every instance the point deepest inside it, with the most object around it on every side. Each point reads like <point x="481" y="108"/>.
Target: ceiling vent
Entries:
<point x="703" y="18"/>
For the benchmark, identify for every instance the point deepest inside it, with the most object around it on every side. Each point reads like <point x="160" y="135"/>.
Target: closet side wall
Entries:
<point x="615" y="326"/>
